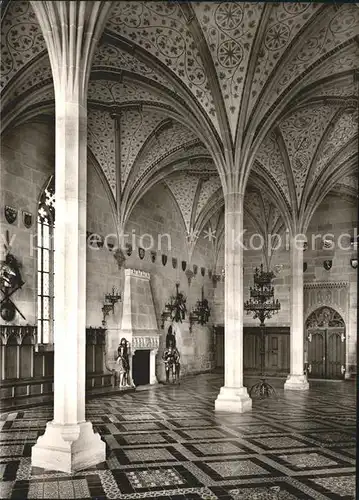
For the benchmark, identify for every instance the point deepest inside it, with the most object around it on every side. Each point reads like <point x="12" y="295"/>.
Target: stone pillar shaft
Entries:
<point x="296" y="380"/>
<point x="70" y="263"/>
<point x="233" y="396"/>
<point x="71" y="30"/>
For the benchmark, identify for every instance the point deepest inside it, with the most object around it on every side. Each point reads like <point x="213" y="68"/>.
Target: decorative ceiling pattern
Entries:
<point x="37" y="73"/>
<point x="271" y="159"/>
<point x="161" y="29"/>
<point x="110" y="57"/>
<point x="135" y="126"/>
<point x="349" y="90"/>
<point x="163" y="144"/>
<point x="208" y="188"/>
<point x="183" y="188"/>
<point x="302" y="132"/>
<point x="230" y="29"/>
<point x="344" y="60"/>
<point x="285" y="22"/>
<point x="254" y="206"/>
<point x="350" y="181"/>
<point x="43" y="95"/>
<point x="111" y="92"/>
<point x="101" y="141"/>
<point x="337" y="26"/>
<point x="21" y="40"/>
<point x="345" y="128"/>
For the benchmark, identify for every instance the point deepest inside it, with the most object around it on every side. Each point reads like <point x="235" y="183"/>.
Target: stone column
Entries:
<point x="233" y="396"/>
<point x="296" y="380"/>
<point x="70" y="29"/>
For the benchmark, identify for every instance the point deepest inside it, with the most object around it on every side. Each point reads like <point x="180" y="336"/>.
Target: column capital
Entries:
<point x="71" y="31"/>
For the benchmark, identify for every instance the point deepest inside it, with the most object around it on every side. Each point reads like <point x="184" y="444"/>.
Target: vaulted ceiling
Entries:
<point x="180" y="92"/>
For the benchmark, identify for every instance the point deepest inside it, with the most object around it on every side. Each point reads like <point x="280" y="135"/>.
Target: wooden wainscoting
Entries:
<point x="277" y="360"/>
<point x="27" y="369"/>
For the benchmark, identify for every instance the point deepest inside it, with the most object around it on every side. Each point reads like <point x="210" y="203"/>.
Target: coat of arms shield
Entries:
<point x="184" y="265"/>
<point x="27" y="219"/>
<point x="203" y="271"/>
<point x="10" y="214"/>
<point x="164" y="259"/>
<point x="141" y="253"/>
<point x="327" y="265"/>
<point x="153" y="256"/>
<point x="195" y="269"/>
<point x="174" y="262"/>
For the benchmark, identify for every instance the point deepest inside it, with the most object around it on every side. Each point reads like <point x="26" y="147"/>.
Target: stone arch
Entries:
<point x="324" y="317"/>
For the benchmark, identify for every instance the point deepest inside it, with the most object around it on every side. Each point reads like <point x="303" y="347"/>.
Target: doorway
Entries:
<point x="141" y="367"/>
<point x="325" y="344"/>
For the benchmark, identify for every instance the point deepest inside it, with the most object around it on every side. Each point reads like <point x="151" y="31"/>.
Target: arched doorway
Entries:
<point x="325" y="344"/>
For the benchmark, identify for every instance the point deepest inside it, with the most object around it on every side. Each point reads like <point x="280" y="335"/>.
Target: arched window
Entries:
<point x="45" y="263"/>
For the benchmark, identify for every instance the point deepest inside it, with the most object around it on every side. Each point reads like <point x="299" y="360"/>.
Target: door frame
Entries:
<point x="327" y="321"/>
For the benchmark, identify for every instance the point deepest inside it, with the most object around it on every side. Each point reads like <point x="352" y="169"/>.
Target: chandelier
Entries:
<point x="262" y="305"/>
<point x="261" y="302"/>
<point x="109" y="305"/>
<point x="200" y="313"/>
<point x="175" y="309"/>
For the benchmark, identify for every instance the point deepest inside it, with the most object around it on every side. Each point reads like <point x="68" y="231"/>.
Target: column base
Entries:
<point x="68" y="448"/>
<point x="233" y="399"/>
<point x="296" y="383"/>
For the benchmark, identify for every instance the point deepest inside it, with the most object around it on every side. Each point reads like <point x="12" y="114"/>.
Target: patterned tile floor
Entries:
<point x="167" y="443"/>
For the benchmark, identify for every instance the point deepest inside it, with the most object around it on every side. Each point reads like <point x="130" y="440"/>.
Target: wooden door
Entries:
<point x="316" y="353"/>
<point x="335" y="353"/>
<point x="272" y="349"/>
<point x="326" y="353"/>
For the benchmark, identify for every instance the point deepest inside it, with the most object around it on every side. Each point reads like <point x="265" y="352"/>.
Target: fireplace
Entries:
<point x="139" y="327"/>
<point x="141" y="367"/>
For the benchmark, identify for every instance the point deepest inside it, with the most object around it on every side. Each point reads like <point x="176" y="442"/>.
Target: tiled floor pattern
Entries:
<point x="167" y="443"/>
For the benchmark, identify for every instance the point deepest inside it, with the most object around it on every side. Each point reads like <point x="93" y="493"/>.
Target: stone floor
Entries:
<point x="167" y="443"/>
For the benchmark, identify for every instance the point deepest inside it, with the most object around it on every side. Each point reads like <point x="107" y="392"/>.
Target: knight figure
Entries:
<point x="123" y="364"/>
<point x="171" y="358"/>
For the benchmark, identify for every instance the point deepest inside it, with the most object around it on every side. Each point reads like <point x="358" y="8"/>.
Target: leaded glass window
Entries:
<point x="45" y="263"/>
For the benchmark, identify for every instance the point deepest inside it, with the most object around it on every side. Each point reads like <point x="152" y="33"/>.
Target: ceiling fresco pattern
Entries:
<point x="192" y="82"/>
<point x="163" y="144"/>
<point x="110" y="92"/>
<point x="271" y="159"/>
<point x="111" y="57"/>
<point x="286" y="20"/>
<point x="101" y="141"/>
<point x="343" y="131"/>
<point x="21" y="40"/>
<point x="136" y="127"/>
<point x="184" y="188"/>
<point x="302" y="132"/>
<point x="161" y="29"/>
<point x="208" y="188"/>
<point x="230" y="29"/>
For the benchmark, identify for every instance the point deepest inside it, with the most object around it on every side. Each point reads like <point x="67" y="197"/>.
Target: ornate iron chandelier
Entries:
<point x="200" y="313"/>
<point x="263" y="305"/>
<point x="175" y="309"/>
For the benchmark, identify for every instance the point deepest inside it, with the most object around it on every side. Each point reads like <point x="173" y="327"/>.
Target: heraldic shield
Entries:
<point x="327" y="265"/>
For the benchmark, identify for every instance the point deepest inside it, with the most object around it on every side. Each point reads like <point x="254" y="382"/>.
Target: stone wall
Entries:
<point x="333" y="218"/>
<point x="27" y="159"/>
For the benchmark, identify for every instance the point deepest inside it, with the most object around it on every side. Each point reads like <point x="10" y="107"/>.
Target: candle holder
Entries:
<point x="109" y="305"/>
<point x="200" y="313"/>
<point x="175" y="309"/>
<point x="262" y="305"/>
